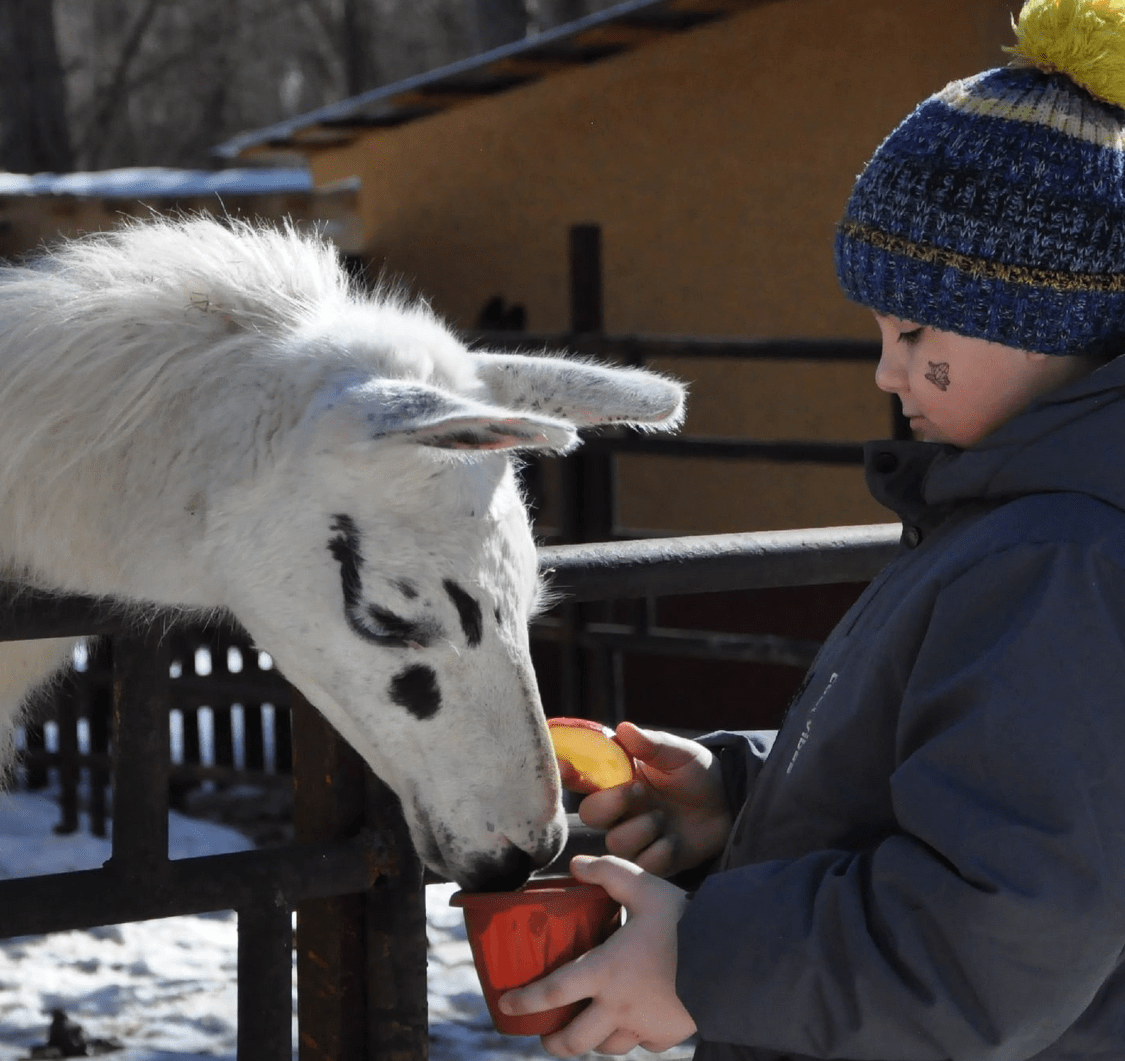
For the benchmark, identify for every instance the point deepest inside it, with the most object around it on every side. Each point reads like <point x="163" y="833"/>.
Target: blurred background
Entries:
<point x="109" y="83"/>
<point x="653" y="181"/>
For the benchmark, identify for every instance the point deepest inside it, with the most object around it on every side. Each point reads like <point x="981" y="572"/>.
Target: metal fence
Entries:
<point x="350" y="873"/>
<point x="229" y="721"/>
<point x="230" y="709"/>
<point x="591" y="640"/>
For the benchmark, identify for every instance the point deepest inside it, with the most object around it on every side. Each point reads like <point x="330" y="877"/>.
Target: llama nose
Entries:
<point x="513" y="867"/>
<point x="504" y="873"/>
<point x="549" y="843"/>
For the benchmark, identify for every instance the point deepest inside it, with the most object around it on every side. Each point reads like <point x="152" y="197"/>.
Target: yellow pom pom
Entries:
<point x="1084" y="39"/>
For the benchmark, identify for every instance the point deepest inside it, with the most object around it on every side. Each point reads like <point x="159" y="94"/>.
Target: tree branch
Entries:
<point x="111" y="97"/>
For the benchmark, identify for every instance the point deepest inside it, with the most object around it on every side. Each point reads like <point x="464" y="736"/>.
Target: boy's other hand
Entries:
<point x="631" y="978"/>
<point x="675" y="817"/>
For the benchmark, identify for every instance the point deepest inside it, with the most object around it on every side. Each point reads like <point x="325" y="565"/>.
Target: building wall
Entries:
<point x="717" y="163"/>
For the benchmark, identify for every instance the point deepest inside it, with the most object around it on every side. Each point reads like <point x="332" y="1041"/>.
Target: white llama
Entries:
<point x="211" y="416"/>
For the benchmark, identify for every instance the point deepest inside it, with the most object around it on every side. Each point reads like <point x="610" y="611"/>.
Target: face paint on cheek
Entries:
<point x="939" y="374"/>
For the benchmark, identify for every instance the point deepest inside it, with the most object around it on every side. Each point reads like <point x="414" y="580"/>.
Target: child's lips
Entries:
<point x="917" y="423"/>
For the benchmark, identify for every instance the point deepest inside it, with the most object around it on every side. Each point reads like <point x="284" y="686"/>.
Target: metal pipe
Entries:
<point x="713" y="563"/>
<point x="780" y="451"/>
<point x="62" y="901"/>
<point x="636" y="349"/>
<point x="695" y="564"/>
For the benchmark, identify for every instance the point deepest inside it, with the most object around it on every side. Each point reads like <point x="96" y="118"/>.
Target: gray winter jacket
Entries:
<point x="930" y="864"/>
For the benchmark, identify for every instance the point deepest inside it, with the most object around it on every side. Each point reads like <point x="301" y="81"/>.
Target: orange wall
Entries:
<point x="717" y="163"/>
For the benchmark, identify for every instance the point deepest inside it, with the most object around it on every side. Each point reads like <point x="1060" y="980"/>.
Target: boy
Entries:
<point x="930" y="863"/>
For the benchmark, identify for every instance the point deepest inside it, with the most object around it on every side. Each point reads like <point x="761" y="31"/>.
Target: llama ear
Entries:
<point x="357" y="410"/>
<point x="582" y="392"/>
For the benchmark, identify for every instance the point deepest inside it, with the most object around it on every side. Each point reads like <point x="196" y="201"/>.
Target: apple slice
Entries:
<point x="593" y="751"/>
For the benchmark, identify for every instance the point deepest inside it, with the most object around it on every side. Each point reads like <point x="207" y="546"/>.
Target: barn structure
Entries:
<point x="37" y="209"/>
<point x="706" y="147"/>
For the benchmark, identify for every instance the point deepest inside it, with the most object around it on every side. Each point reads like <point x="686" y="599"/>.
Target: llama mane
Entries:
<point x="197" y="310"/>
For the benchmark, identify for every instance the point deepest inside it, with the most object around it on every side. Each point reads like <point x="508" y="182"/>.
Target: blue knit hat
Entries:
<point x="997" y="208"/>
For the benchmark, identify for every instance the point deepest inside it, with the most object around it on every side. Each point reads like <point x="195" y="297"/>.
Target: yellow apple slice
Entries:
<point x="594" y="753"/>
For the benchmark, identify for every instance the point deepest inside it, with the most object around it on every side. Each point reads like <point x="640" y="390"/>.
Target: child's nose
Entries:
<point x="890" y="375"/>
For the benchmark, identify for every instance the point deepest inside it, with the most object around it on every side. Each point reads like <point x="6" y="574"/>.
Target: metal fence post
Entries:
<point x="66" y="715"/>
<point x="398" y="1007"/>
<point x="589" y="503"/>
<point x="329" y="804"/>
<point x="361" y="959"/>
<point x="265" y="982"/>
<point x="99" y="717"/>
<point x="141" y="754"/>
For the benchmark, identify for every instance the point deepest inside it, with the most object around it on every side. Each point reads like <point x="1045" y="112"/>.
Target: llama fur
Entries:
<point x="213" y="417"/>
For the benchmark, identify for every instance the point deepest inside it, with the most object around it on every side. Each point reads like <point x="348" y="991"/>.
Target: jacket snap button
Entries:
<point x="911" y="536"/>
<point x="885" y="463"/>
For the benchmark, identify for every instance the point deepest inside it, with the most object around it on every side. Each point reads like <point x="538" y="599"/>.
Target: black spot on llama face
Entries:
<point x="345" y="551"/>
<point x="416" y="689"/>
<point x="372" y="622"/>
<point x="468" y="610"/>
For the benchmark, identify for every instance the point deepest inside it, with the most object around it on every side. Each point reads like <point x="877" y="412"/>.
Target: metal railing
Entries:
<point x="352" y="876"/>
<point x="713" y="563"/>
<point x="230" y="726"/>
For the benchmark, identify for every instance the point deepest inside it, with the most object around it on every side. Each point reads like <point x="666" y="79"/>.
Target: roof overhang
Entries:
<point x="596" y="37"/>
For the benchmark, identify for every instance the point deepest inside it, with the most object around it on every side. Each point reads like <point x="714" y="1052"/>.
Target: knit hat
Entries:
<point x="997" y="208"/>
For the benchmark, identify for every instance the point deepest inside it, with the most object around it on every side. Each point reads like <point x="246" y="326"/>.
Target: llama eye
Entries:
<point x="385" y="628"/>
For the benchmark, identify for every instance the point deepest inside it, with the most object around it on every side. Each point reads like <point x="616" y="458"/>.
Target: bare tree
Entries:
<point x="33" y="127"/>
<point x="358" y="64"/>
<point x="546" y="14"/>
<point x="550" y="13"/>
<point x="160" y="82"/>
<point x="413" y="36"/>
<point x="109" y="97"/>
<point x="345" y="28"/>
<point x="499" y="22"/>
<point x="155" y="82"/>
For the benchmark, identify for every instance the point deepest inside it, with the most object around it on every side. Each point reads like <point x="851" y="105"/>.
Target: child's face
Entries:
<point x="957" y="390"/>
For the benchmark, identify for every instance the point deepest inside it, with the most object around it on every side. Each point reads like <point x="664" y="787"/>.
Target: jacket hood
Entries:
<point x="1072" y="439"/>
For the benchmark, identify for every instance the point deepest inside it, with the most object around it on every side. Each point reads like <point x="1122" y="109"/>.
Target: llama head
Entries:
<point x="386" y="561"/>
<point x="240" y="429"/>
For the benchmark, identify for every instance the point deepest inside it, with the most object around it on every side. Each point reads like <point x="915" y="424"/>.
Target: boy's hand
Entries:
<point x="676" y="817"/>
<point x="631" y="978"/>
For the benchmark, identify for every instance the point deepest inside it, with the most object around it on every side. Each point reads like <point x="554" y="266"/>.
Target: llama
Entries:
<point x="212" y="417"/>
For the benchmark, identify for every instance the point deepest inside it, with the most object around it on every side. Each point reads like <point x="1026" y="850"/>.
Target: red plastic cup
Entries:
<point x="519" y="936"/>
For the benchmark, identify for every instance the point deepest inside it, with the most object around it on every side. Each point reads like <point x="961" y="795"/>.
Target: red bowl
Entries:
<point x="519" y="936"/>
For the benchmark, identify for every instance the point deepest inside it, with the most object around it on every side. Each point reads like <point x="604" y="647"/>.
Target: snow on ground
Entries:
<point x="166" y="989"/>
